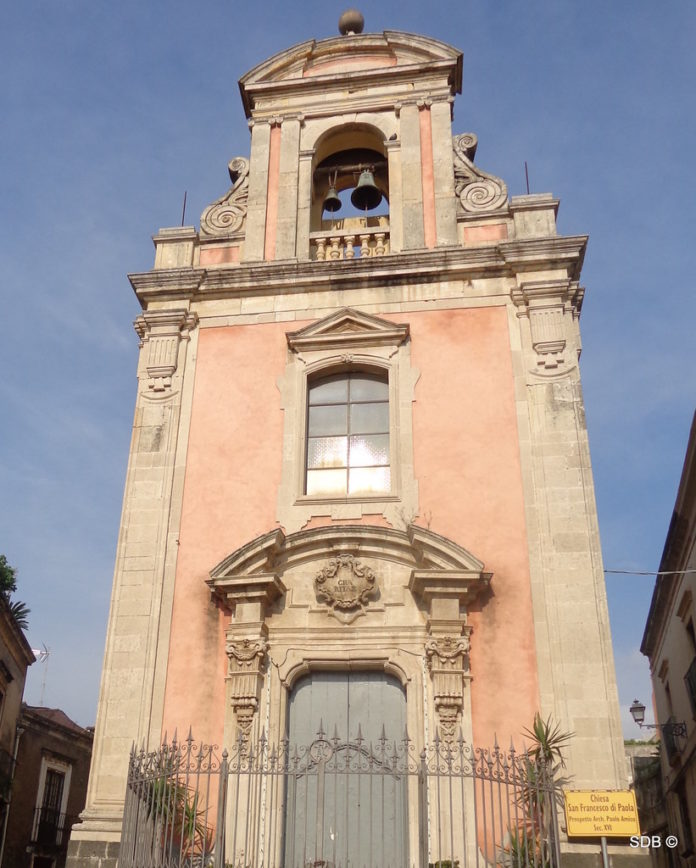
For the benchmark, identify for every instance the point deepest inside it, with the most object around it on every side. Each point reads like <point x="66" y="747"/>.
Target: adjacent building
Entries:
<point x="669" y="642"/>
<point x="359" y="506"/>
<point x="49" y="789"/>
<point x="15" y="658"/>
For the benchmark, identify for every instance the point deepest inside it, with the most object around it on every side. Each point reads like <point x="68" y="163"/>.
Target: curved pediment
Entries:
<point x="416" y="547"/>
<point x="355" y="54"/>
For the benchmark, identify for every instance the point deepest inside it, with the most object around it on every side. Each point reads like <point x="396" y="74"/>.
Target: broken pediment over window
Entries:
<point x="226" y="216"/>
<point x="477" y="191"/>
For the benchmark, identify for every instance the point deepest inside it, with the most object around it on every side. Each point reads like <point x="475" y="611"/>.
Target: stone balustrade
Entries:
<point x="349" y="243"/>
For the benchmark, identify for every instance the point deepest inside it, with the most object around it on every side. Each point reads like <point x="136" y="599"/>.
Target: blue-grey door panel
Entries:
<point x="346" y="806"/>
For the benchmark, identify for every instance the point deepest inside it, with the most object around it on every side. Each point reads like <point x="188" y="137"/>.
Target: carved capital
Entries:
<point x="447" y="652"/>
<point x="550" y="306"/>
<point x="160" y="333"/>
<point x="227" y="214"/>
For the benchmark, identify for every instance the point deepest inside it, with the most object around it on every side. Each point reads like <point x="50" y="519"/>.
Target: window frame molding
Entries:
<point x="348" y="340"/>
<point x="48" y="761"/>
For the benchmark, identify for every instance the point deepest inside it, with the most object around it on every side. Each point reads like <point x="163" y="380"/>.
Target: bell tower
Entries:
<point x="359" y="463"/>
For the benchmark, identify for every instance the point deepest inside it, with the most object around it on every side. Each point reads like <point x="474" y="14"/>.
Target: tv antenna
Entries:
<point x="42" y="656"/>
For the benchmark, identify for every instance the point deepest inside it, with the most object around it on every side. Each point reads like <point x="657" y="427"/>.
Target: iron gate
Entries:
<point x="339" y="803"/>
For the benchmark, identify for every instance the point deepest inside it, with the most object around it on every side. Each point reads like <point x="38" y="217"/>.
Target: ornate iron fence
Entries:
<point x="336" y="804"/>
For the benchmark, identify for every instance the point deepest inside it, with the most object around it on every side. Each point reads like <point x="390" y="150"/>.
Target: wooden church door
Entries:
<point x="346" y="801"/>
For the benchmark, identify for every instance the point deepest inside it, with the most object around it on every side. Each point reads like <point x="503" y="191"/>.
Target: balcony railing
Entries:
<point x="51" y="828"/>
<point x="670" y="740"/>
<point x="328" y="245"/>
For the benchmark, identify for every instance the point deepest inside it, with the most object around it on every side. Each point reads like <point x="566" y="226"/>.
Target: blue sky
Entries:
<point x="111" y="111"/>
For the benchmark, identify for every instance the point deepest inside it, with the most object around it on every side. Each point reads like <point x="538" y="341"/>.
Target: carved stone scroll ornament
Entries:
<point x="227" y="214"/>
<point x="476" y="190"/>
<point x="448" y="661"/>
<point x="246" y="664"/>
<point x="344" y="583"/>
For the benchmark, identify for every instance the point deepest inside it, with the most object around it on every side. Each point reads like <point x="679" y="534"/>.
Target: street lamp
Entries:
<point x="673" y="728"/>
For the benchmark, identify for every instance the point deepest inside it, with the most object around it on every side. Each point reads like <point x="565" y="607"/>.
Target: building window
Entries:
<point x="348" y="435"/>
<point x="51" y="801"/>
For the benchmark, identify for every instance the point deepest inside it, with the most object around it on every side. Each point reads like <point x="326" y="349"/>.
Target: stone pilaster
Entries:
<point x="133" y="676"/>
<point x="577" y="683"/>
<point x="443" y="172"/>
<point x="411" y="178"/>
<point x="288" y="188"/>
<point x="258" y="191"/>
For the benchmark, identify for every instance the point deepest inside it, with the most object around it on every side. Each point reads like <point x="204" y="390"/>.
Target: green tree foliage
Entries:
<point x="8" y="584"/>
<point x="8" y="578"/>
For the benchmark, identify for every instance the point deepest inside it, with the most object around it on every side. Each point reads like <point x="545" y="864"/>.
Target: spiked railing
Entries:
<point x="337" y="803"/>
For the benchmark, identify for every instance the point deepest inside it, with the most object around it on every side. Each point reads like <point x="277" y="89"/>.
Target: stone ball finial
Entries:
<point x="351" y="22"/>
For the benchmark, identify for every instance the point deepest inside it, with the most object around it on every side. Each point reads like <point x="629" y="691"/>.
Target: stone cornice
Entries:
<point x="407" y="267"/>
<point x="166" y="282"/>
<point x="555" y="252"/>
<point x="548" y="293"/>
<point x="408" y="83"/>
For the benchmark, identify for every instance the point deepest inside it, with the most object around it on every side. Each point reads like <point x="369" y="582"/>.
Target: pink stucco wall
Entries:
<point x="468" y="471"/>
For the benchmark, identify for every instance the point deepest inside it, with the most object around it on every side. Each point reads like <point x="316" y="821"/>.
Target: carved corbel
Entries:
<point x="248" y="596"/>
<point x="245" y="670"/>
<point x="550" y="306"/>
<point x="447" y="650"/>
<point x="448" y="663"/>
<point x="162" y="331"/>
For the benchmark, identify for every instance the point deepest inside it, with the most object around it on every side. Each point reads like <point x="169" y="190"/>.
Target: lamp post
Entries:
<point x="671" y="728"/>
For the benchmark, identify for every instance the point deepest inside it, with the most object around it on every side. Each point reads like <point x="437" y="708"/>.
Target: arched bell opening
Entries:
<point x="350" y="188"/>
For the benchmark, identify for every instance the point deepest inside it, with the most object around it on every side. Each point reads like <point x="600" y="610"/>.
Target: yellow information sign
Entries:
<point x="601" y="813"/>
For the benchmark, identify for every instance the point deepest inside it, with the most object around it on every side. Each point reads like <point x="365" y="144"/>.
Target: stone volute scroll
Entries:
<point x="227" y="214"/>
<point x="476" y="190"/>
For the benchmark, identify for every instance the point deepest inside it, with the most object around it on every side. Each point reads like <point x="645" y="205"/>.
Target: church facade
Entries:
<point x="359" y="490"/>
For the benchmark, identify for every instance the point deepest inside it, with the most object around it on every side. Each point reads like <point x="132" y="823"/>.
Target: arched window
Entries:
<point x="348" y="435"/>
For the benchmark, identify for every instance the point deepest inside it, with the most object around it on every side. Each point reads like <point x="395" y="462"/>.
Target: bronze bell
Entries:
<point x="366" y="195"/>
<point x="332" y="203"/>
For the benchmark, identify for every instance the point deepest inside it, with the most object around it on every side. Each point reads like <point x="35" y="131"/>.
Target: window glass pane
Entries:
<point x="369" y="419"/>
<point x="326" y="482"/>
<point x="364" y="387"/>
<point x="328" y="452"/>
<point x="331" y="390"/>
<point x="327" y="420"/>
<point x="368" y="480"/>
<point x="366" y="451"/>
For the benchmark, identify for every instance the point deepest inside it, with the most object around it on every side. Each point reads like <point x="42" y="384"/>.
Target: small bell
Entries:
<point x="332" y="203"/>
<point x="366" y="195"/>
